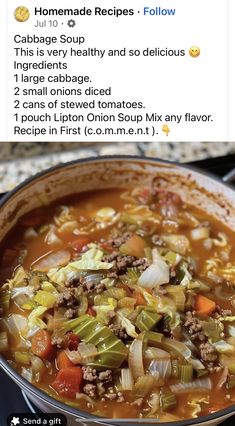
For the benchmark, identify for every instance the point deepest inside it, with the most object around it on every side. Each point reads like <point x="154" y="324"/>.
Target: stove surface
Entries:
<point x="11" y="398"/>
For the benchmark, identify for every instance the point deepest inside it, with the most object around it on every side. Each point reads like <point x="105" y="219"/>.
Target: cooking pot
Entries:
<point x="194" y="187"/>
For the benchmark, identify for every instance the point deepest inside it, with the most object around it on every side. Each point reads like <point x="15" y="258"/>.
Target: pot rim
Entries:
<point x="23" y="383"/>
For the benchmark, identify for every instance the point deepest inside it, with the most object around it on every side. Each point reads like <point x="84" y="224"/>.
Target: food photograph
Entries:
<point x="117" y="282"/>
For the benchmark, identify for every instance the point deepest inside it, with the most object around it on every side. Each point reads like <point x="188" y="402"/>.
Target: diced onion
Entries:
<point x="106" y="213"/>
<point x="177" y="242"/>
<point x="88" y="352"/>
<point x="177" y="347"/>
<point x="200" y="233"/>
<point x="156" y="353"/>
<point x="223" y="378"/>
<point x="54" y="259"/>
<point x="145" y="384"/>
<point x="3" y="341"/>
<point x="135" y="359"/>
<point x="30" y="233"/>
<point x="51" y="237"/>
<point x="37" y="364"/>
<point x="197" y="385"/>
<point x="74" y="356"/>
<point x="16" y="324"/>
<point x="160" y="368"/>
<point x="156" y="274"/>
<point x="21" y="295"/>
<point x="27" y="374"/>
<point x="126" y="379"/>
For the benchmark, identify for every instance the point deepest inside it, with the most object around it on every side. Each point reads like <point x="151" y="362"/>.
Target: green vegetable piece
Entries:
<point x="172" y="258"/>
<point x="175" y="368"/>
<point x="147" y="320"/>
<point x="132" y="275"/>
<point x="5" y="300"/>
<point x="186" y="373"/>
<point x="230" y="382"/>
<point x="201" y="372"/>
<point x="232" y="369"/>
<point x="44" y="298"/>
<point x="211" y="330"/>
<point x="111" y="350"/>
<point x="115" y="293"/>
<point x="22" y="358"/>
<point x="153" y="338"/>
<point x="167" y="401"/>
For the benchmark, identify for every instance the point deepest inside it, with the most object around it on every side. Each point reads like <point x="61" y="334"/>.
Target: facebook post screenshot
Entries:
<point x="117" y="213"/>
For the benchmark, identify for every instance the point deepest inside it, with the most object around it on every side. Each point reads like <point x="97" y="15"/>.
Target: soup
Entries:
<point x="121" y="303"/>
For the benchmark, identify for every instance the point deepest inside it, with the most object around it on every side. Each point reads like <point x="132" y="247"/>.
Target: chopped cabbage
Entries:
<point x="127" y="325"/>
<point x="34" y="319"/>
<point x="90" y="261"/>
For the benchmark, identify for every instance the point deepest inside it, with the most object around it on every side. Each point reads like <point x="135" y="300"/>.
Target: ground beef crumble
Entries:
<point x="95" y="381"/>
<point x="222" y="312"/>
<point x="117" y="239"/>
<point x="194" y="326"/>
<point x="90" y="390"/>
<point x="208" y="352"/>
<point x="84" y="286"/>
<point x="119" y="331"/>
<point x="89" y="374"/>
<point x="121" y="263"/>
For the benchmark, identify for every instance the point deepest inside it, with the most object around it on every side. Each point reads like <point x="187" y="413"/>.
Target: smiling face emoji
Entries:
<point x="21" y="14"/>
<point x="194" y="51"/>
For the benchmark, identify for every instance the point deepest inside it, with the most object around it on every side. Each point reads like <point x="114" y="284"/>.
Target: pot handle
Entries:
<point x="229" y="177"/>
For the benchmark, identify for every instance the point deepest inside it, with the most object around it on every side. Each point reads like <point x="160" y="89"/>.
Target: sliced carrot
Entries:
<point x="63" y="361"/>
<point x="79" y="243"/>
<point x="42" y="346"/>
<point x="140" y="300"/>
<point x="68" y="381"/>
<point x="203" y="305"/>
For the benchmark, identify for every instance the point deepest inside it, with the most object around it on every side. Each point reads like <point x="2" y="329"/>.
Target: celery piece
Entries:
<point x="83" y="305"/>
<point x="175" y="368"/>
<point x="111" y="350"/>
<point x="167" y="401"/>
<point x="131" y="277"/>
<point x="230" y="382"/>
<point x="3" y="341"/>
<point x="153" y="338"/>
<point x="22" y="357"/>
<point x="144" y="385"/>
<point x="212" y="330"/>
<point x="177" y="293"/>
<point x="5" y="300"/>
<point x="201" y="372"/>
<point x="46" y="286"/>
<point x="29" y="305"/>
<point x="148" y="253"/>
<point x="172" y="258"/>
<point x="115" y="292"/>
<point x="147" y="320"/>
<point x="126" y="302"/>
<point x="44" y="298"/>
<point x="231" y="369"/>
<point x="186" y="373"/>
